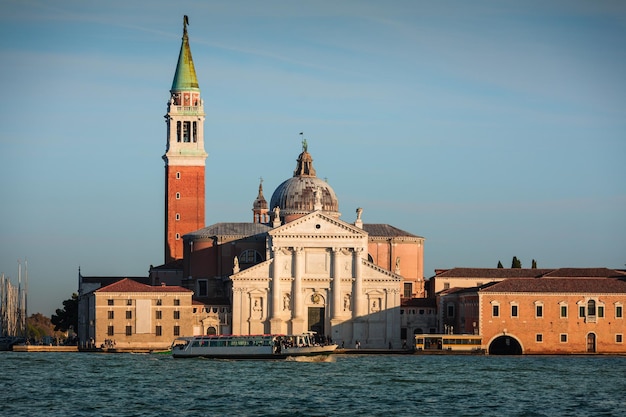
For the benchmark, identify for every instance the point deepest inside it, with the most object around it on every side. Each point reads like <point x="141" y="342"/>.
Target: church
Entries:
<point x="297" y="266"/>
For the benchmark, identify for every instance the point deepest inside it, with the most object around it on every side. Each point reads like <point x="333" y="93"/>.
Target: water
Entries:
<point x="79" y="384"/>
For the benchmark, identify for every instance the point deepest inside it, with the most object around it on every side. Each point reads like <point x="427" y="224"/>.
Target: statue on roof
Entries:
<point x="305" y="147"/>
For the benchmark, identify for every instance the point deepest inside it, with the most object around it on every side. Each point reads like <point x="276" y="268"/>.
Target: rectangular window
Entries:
<point x="563" y="311"/>
<point x="159" y="314"/>
<point x="129" y="302"/>
<point x="539" y="310"/>
<point x="110" y="331"/>
<point x="159" y="331"/>
<point x="618" y="338"/>
<point x="177" y="196"/>
<point x="407" y="290"/>
<point x="110" y="302"/>
<point x="514" y="311"/>
<point x="203" y="288"/>
<point x="450" y="310"/>
<point x="176" y="315"/>
<point x="159" y="302"/>
<point x="129" y="330"/>
<point x="581" y="311"/>
<point x="618" y="312"/>
<point x="600" y="311"/>
<point x="178" y="132"/>
<point x="539" y="337"/>
<point x="129" y="315"/>
<point x="186" y="128"/>
<point x="495" y="310"/>
<point x="176" y="330"/>
<point x="176" y="302"/>
<point x="563" y="337"/>
<point x="111" y="315"/>
<point x="446" y="285"/>
<point x="195" y="132"/>
<point x="178" y="175"/>
<point x="177" y="216"/>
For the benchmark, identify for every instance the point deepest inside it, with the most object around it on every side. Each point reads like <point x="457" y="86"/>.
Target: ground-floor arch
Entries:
<point x="505" y="345"/>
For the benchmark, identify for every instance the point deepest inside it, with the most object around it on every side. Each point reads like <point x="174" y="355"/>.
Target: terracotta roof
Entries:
<point x="386" y="230"/>
<point x="493" y="273"/>
<point x="585" y="273"/>
<point x="559" y="285"/>
<point x="128" y="285"/>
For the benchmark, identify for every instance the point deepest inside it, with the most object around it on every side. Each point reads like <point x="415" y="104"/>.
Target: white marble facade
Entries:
<point x="317" y="277"/>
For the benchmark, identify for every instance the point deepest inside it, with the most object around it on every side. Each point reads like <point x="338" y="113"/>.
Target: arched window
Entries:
<point x="591" y="308"/>
<point x="250" y="256"/>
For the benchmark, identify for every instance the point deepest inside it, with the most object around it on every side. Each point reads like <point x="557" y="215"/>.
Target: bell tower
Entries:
<point x="185" y="156"/>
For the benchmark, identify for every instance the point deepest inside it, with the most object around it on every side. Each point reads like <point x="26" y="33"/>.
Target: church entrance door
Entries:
<point x="316" y="320"/>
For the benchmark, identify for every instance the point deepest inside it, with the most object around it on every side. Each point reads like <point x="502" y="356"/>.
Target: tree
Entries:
<point x="500" y="265"/>
<point x="534" y="266"/>
<point x="516" y="263"/>
<point x="67" y="316"/>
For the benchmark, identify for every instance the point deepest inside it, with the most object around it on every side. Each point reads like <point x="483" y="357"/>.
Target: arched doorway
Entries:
<point x="505" y="345"/>
<point x="591" y="343"/>
<point x="210" y="331"/>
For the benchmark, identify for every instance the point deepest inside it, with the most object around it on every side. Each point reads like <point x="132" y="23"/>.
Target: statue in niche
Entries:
<point x="375" y="306"/>
<point x="257" y="309"/>
<point x="346" y="302"/>
<point x="397" y="270"/>
<point x="287" y="301"/>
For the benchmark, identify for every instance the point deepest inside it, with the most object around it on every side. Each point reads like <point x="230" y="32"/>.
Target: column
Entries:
<point x="337" y="306"/>
<point x="358" y="303"/>
<point x="275" y="288"/>
<point x="298" y="297"/>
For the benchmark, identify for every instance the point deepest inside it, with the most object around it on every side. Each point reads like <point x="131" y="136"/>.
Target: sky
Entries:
<point x="491" y="128"/>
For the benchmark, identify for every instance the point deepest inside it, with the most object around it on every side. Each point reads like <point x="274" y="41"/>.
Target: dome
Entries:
<point x="304" y="192"/>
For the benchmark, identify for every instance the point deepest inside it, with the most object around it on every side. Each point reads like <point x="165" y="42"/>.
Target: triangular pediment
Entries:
<point x="318" y="225"/>
<point x="254" y="272"/>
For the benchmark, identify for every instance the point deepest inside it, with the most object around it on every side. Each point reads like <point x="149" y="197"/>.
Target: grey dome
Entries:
<point x="304" y="192"/>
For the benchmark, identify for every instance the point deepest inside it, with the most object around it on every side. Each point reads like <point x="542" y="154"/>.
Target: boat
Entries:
<point x="268" y="346"/>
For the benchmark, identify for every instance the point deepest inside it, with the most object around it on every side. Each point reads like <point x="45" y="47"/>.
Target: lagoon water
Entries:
<point x="91" y="384"/>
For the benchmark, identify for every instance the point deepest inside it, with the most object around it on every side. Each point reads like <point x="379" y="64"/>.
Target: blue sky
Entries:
<point x="492" y="128"/>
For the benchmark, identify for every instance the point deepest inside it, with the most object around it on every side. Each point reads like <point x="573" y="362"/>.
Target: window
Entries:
<point x="446" y="285"/>
<point x="177" y="216"/>
<point x="495" y="310"/>
<point x="407" y="290"/>
<point x="178" y="175"/>
<point x="129" y="302"/>
<point x="159" y="302"/>
<point x="110" y="331"/>
<point x="110" y="302"/>
<point x="176" y="330"/>
<point x="563" y="311"/>
<point x="129" y="330"/>
<point x="591" y="308"/>
<point x="177" y="196"/>
<point x="159" y="331"/>
<point x="250" y="256"/>
<point x="129" y="315"/>
<point x="111" y="315"/>
<point x="159" y="314"/>
<point x="176" y="302"/>
<point x="514" y="310"/>
<point x="618" y="338"/>
<point x="450" y="309"/>
<point x="618" y="312"/>
<point x="600" y="311"/>
<point x="178" y="131"/>
<point x="195" y="131"/>
<point x="538" y="310"/>
<point x="186" y="129"/>
<point x="203" y="288"/>
<point x="539" y="337"/>
<point x="563" y="337"/>
<point x="176" y="315"/>
<point x="581" y="311"/>
<point x="177" y="236"/>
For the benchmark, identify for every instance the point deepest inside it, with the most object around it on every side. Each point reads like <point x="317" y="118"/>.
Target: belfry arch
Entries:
<point x="505" y="344"/>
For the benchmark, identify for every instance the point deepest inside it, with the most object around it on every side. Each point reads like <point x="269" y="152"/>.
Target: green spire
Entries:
<point x="185" y="77"/>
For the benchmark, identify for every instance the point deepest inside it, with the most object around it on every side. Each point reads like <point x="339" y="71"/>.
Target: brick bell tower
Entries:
<point x="184" y="155"/>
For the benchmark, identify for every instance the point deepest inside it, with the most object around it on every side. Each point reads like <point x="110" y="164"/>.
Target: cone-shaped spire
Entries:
<point x="185" y="77"/>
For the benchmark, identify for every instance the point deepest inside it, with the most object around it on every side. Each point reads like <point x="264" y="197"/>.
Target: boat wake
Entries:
<point x="317" y="358"/>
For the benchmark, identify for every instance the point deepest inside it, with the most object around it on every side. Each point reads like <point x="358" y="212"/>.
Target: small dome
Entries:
<point x="304" y="192"/>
